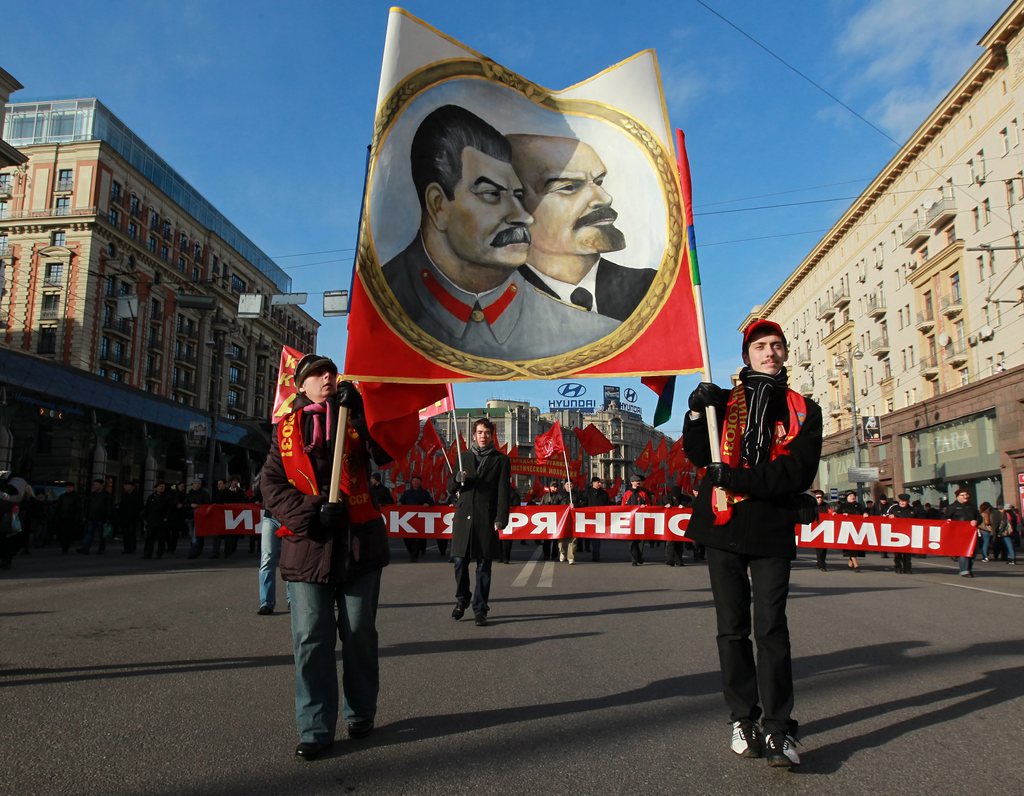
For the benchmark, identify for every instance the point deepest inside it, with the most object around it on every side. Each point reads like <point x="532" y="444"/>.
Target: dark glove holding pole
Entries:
<point x="332" y="515"/>
<point x="719" y="474"/>
<point x="462" y="476"/>
<point x="706" y="394"/>
<point x="348" y="396"/>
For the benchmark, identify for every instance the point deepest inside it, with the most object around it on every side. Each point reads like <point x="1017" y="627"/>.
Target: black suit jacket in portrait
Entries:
<point x="619" y="289"/>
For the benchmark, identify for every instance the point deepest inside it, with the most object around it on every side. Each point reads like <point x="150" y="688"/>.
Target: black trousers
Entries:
<point x="770" y="681"/>
<point x="819" y="556"/>
<point x="479" y="597"/>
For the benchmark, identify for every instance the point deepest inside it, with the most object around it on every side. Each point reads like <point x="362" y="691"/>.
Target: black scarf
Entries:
<point x="757" y="436"/>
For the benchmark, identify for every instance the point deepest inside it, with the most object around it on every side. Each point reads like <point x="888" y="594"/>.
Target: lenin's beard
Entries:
<point x="511" y="236"/>
<point x="597" y="236"/>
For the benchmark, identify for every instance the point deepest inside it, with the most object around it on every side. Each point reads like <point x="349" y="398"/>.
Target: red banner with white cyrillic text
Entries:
<point x="656" y="523"/>
<point x="217" y="519"/>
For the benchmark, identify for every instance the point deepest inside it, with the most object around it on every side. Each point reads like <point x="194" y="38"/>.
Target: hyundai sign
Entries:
<point x="572" y="397"/>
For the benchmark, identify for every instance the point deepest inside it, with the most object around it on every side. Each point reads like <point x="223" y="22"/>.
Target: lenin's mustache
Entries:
<point x="510" y="236"/>
<point x="595" y="217"/>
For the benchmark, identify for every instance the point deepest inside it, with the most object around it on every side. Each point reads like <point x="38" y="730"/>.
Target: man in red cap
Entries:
<point x="770" y="447"/>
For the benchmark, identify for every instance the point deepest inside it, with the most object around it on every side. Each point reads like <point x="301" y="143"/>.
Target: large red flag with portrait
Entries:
<point x="455" y="277"/>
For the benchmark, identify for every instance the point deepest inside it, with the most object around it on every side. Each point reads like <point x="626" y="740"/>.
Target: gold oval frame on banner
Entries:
<point x="552" y="367"/>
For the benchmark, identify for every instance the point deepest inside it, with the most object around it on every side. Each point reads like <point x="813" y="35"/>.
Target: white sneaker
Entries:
<point x="746" y="739"/>
<point x="561" y="556"/>
<point x="780" y="750"/>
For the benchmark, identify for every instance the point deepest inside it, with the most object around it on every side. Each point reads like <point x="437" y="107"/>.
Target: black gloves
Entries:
<point x="348" y="396"/>
<point x="332" y="515"/>
<point x="719" y="474"/>
<point x="706" y="394"/>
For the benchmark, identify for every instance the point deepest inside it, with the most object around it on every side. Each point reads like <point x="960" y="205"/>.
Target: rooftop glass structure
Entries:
<point x="63" y="121"/>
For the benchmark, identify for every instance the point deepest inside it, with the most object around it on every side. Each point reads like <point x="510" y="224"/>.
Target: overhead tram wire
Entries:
<point x="828" y="94"/>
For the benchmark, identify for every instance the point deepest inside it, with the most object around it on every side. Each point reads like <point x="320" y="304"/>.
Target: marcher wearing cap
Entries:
<point x="902" y="562"/>
<point x="770" y="449"/>
<point x="331" y="555"/>
<point x="962" y="509"/>
<point x="636" y="495"/>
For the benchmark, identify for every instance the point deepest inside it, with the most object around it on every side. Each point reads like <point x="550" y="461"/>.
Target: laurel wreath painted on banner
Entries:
<point x="391" y="311"/>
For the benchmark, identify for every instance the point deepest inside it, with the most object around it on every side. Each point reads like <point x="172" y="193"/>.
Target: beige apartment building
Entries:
<point x="909" y="309"/>
<point x="122" y="278"/>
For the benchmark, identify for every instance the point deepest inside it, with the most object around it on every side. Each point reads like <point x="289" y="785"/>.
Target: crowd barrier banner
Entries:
<point x="217" y="519"/>
<point x="657" y="524"/>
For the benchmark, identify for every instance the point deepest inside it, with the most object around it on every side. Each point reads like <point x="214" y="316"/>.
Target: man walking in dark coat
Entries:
<point x="129" y="514"/>
<point x="902" y="562"/>
<point x="480" y="512"/>
<point x="596" y="495"/>
<point x="416" y="495"/>
<point x="98" y="508"/>
<point x="67" y="515"/>
<point x="770" y="447"/>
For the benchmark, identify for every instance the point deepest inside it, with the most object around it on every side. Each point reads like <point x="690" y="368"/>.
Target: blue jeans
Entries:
<point x="986" y="540"/>
<point x="314" y="625"/>
<point x="94" y="530"/>
<point x="966" y="563"/>
<point x="1011" y="554"/>
<point x="482" y="593"/>
<point x="270" y="554"/>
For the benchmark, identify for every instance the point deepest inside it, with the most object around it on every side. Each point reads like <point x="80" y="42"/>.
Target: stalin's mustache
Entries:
<point x="511" y="236"/>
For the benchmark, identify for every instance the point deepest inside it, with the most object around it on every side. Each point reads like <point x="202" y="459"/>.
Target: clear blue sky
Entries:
<point x="267" y="109"/>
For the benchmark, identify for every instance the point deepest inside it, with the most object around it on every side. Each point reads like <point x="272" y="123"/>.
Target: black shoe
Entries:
<point x="458" y="611"/>
<point x="360" y="729"/>
<point x="480" y="620"/>
<point x="636" y="564"/>
<point x="265" y="610"/>
<point x="311" y="750"/>
<point x="780" y="750"/>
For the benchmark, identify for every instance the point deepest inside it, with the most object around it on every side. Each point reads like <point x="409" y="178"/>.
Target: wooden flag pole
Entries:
<point x="718" y="497"/>
<point x="339" y="452"/>
<point x="567" y="476"/>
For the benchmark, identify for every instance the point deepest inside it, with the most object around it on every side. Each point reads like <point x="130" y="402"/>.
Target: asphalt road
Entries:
<point x="122" y="676"/>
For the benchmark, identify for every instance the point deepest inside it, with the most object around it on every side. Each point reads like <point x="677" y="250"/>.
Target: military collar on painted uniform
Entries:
<point x="496" y="309"/>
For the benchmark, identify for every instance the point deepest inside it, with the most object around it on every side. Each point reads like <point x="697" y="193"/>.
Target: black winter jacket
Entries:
<point x="764" y="524"/>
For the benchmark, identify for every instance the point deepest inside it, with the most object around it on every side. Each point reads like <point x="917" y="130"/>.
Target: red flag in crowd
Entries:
<point x="643" y="461"/>
<point x="446" y="404"/>
<point x="392" y="412"/>
<point x="430" y="442"/>
<point x="549" y="443"/>
<point x="593" y="441"/>
<point x="514" y="452"/>
<point x="284" y="395"/>
<point x="615" y="487"/>
<point x="677" y="456"/>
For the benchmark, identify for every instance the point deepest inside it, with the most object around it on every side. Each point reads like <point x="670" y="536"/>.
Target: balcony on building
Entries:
<point x="6" y="190"/>
<point x="120" y="326"/>
<point x="876" y="306"/>
<point x="51" y="280"/>
<point x="835" y="408"/>
<point x="803" y="357"/>
<point x="185" y="356"/>
<point x="925" y="321"/>
<point x="879" y="346"/>
<point x="184" y="382"/>
<point x="929" y="367"/>
<point x="153" y="371"/>
<point x="154" y="340"/>
<point x="807" y="388"/>
<point x="832" y="376"/>
<point x="826" y="311"/>
<point x="941" y="213"/>
<point x="916" y="234"/>
<point x="955" y="353"/>
<point x="841" y="298"/>
<point x="49" y="313"/>
<point x="952" y="305"/>
<point x="114" y="358"/>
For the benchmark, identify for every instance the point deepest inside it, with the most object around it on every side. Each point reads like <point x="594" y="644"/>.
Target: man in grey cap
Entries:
<point x="636" y="495"/>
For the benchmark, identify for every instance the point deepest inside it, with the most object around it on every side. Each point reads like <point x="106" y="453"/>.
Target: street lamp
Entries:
<point x="852" y="353"/>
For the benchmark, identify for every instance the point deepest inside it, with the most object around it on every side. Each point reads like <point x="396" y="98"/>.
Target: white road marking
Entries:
<point x="524" y="576"/>
<point x="987" y="591"/>
<point x="547" y="576"/>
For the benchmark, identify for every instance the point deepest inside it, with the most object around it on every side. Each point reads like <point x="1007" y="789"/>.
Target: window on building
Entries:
<point x="976" y="215"/>
<point x="53" y="273"/>
<point x="111" y="287"/>
<point x="65" y="182"/>
<point x="57" y="238"/>
<point x="195" y="273"/>
<point x="233" y="396"/>
<point x="104" y="347"/>
<point x="183" y="242"/>
<point x="4" y="245"/>
<point x="114" y="217"/>
<point x="6" y="182"/>
<point x="965" y="376"/>
<point x="135" y="206"/>
<point x="237" y="285"/>
<point x="197" y="253"/>
<point x="181" y="263"/>
<point x="165" y="253"/>
<point x="3" y="210"/>
<point x="47" y="340"/>
<point x="62" y="206"/>
<point x="234" y="375"/>
<point x="115" y="191"/>
<point x="1004" y="138"/>
<point x="982" y="171"/>
<point x="167" y="230"/>
<point x="987" y="206"/>
<point x="981" y="267"/>
<point x="151" y="244"/>
<point x="954" y="286"/>
<point x="154" y="219"/>
<point x="133" y="230"/>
